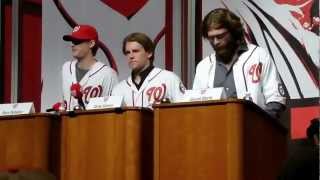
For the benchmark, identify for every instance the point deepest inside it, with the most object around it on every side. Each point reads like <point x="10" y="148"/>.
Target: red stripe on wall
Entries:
<point x="7" y="53"/>
<point x="168" y="36"/>
<point x="198" y="35"/>
<point x="39" y="2"/>
<point x="30" y="61"/>
<point x="184" y="41"/>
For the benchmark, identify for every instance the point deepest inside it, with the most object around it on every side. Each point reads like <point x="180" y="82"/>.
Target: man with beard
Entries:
<point x="246" y="71"/>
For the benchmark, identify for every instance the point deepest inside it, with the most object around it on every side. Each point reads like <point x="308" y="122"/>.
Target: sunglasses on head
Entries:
<point x="77" y="42"/>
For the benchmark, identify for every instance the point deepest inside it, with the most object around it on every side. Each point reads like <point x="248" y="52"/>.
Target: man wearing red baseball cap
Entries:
<point x="83" y="33"/>
<point x="94" y="78"/>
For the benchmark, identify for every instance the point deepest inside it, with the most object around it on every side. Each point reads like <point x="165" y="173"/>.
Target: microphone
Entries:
<point x="77" y="93"/>
<point x="57" y="107"/>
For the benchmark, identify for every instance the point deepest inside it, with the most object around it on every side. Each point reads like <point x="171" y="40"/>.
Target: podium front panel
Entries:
<point x="24" y="142"/>
<point x="107" y="145"/>
<point x="216" y="140"/>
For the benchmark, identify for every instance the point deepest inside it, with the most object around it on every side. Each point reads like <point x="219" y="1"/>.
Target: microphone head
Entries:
<point x="76" y="90"/>
<point x="59" y="106"/>
<point x="56" y="106"/>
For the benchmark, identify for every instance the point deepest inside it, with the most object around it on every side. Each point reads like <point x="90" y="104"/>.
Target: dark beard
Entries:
<point x="226" y="53"/>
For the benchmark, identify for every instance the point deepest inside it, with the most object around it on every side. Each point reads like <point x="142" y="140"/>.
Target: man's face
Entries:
<point x="138" y="58"/>
<point x="81" y="49"/>
<point x="222" y="42"/>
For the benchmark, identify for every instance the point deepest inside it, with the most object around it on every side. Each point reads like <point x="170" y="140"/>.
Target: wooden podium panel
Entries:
<point x="24" y="142"/>
<point x="225" y="140"/>
<point x="108" y="144"/>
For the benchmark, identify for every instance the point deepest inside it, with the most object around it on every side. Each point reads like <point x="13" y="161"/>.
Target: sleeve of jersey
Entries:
<point x="196" y="80"/>
<point x="110" y="82"/>
<point x="65" y="87"/>
<point x="114" y="91"/>
<point x="118" y="90"/>
<point x="270" y="81"/>
<point x="177" y="88"/>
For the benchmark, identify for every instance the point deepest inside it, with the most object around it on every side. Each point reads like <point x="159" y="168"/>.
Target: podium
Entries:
<point x="225" y="140"/>
<point x="24" y="142"/>
<point x="107" y="144"/>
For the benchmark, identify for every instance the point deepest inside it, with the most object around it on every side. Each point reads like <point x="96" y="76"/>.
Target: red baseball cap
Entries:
<point x="82" y="33"/>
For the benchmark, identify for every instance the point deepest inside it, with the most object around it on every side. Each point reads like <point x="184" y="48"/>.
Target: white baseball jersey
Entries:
<point x="97" y="82"/>
<point x="159" y="84"/>
<point x="254" y="74"/>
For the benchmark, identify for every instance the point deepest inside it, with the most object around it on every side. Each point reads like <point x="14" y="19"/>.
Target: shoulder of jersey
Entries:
<point x="256" y="48"/>
<point x="258" y="51"/>
<point x="67" y="65"/>
<point x="205" y="61"/>
<point x="121" y="85"/>
<point x="110" y="69"/>
<point x="105" y="68"/>
<point x="168" y="72"/>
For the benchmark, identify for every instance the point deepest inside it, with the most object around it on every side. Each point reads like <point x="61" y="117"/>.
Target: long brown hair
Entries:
<point x="223" y="18"/>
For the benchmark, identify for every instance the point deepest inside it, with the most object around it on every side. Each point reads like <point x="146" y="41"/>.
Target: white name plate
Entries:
<point x="105" y="102"/>
<point x="204" y="94"/>
<point x="16" y="109"/>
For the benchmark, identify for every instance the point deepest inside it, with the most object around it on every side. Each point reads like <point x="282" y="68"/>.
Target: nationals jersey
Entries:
<point x="254" y="74"/>
<point x="97" y="82"/>
<point x="159" y="84"/>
